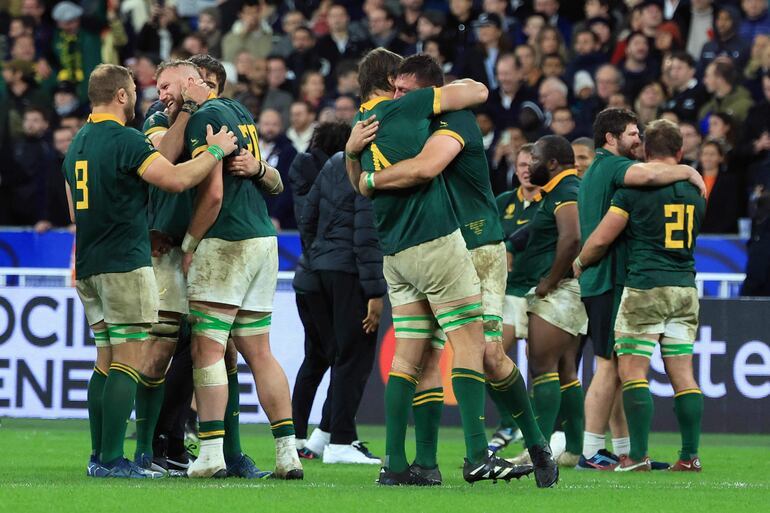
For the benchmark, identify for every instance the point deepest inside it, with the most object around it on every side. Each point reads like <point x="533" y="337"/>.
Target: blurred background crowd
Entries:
<point x="550" y="67"/>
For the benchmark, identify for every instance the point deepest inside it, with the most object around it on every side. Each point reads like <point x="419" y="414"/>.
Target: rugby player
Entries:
<point x="659" y="302"/>
<point x="106" y="168"/>
<point x="516" y="209"/>
<point x="616" y="138"/>
<point x="429" y="271"/>
<point x="170" y="217"/>
<point x="456" y="145"/>
<point x="556" y="316"/>
<point x="231" y="284"/>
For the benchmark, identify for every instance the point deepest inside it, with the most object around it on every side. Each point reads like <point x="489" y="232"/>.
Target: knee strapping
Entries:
<point x="493" y="328"/>
<point x="211" y="376"/>
<point x="414" y="326"/>
<point x="454" y="317"/>
<point x="634" y="346"/>
<point x="401" y="366"/>
<point x="211" y="324"/>
<point x="120" y="333"/>
<point x="165" y="328"/>
<point x="439" y="339"/>
<point x="249" y="324"/>
<point x="101" y="338"/>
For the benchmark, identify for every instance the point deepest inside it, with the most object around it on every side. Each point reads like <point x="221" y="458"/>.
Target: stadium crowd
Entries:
<point x="550" y="69"/>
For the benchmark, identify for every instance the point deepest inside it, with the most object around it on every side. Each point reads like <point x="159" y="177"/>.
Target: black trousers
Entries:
<point x="319" y="355"/>
<point x="354" y="353"/>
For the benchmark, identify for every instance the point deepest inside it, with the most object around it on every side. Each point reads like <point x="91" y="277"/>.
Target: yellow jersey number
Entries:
<point x="81" y="184"/>
<point x="250" y="133"/>
<point x="680" y="215"/>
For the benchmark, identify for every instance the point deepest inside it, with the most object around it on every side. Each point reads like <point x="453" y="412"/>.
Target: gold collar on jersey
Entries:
<point x="99" y="118"/>
<point x="372" y="103"/>
<point x="522" y="199"/>
<point x="558" y="178"/>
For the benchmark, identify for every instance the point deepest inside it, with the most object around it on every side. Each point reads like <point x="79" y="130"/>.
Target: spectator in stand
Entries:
<point x="757" y="281"/>
<point x="725" y="96"/>
<point x="691" y="141"/>
<point x="504" y="103"/>
<point x="195" y="44"/>
<point x="503" y="163"/>
<point x="549" y="42"/>
<point x="23" y="184"/>
<point x="383" y="32"/>
<point x="66" y="101"/>
<point x="530" y="71"/>
<point x="276" y="149"/>
<point x="756" y="21"/>
<point x="668" y="40"/>
<point x="407" y="22"/>
<point x="289" y="23"/>
<point x="278" y="75"/>
<point x="459" y="25"/>
<point x="430" y="25"/>
<point x="248" y="33"/>
<point x="339" y="44"/>
<point x="345" y="108"/>
<point x="347" y="78"/>
<point x="696" y="25"/>
<point x="585" y="151"/>
<point x="552" y="94"/>
<point x="76" y="50"/>
<point x="586" y="55"/>
<point x="722" y="129"/>
<point x="603" y="30"/>
<point x="437" y="50"/>
<point x="609" y="81"/>
<point x="161" y="33"/>
<point x="648" y="102"/>
<point x="312" y="89"/>
<point x="758" y="66"/>
<point x="563" y="122"/>
<point x="550" y="9"/>
<point x="44" y="30"/>
<point x="726" y="41"/>
<point x="21" y="92"/>
<point x="687" y="94"/>
<point x="754" y="148"/>
<point x="55" y="212"/>
<point x="533" y="24"/>
<point x="478" y="62"/>
<point x="208" y="26"/>
<point x="303" y="57"/>
<point x="722" y="190"/>
<point x="638" y="67"/>
<point x="302" y="125"/>
<point x="553" y="66"/>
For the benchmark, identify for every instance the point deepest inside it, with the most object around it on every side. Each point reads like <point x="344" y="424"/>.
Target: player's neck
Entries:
<point x="665" y="160"/>
<point x="379" y="93"/>
<point x="114" y="110"/>
<point x="529" y="193"/>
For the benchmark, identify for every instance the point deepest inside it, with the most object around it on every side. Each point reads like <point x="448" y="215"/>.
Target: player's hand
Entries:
<point x="544" y="287"/>
<point x="186" y="261"/>
<point x="42" y="226"/>
<point x="362" y="134"/>
<point x="196" y="91"/>
<point x="244" y="164"/>
<point x="373" y="314"/>
<point x="225" y="139"/>
<point x="160" y="243"/>
<point x="509" y="260"/>
<point x="576" y="270"/>
<point x="697" y="180"/>
<point x="364" y="189"/>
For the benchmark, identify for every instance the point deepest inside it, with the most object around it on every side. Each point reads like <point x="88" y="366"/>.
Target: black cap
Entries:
<point x="66" y="87"/>
<point x="488" y="18"/>
<point x="647" y="3"/>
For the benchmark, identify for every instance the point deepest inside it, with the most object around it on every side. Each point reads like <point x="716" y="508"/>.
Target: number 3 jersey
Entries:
<point x="103" y="168"/>
<point x="662" y="227"/>
<point x="244" y="212"/>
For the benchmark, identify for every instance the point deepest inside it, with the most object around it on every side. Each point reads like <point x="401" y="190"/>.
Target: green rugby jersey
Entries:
<point x="244" y="212"/>
<point x="537" y="258"/>
<point x="662" y="227"/>
<point x="168" y="213"/>
<point x="103" y="168"/>
<point x="515" y="212"/>
<point x="467" y="180"/>
<point x="601" y="180"/>
<point x="406" y="217"/>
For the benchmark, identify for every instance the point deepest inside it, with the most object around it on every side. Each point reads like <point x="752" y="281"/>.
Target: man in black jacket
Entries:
<point x="344" y="251"/>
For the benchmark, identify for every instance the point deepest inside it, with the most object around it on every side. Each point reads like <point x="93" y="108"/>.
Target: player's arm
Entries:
<point x="609" y="229"/>
<point x="265" y="176"/>
<point x="180" y="177"/>
<point x="362" y="133"/>
<point x="436" y="155"/>
<point x="657" y="174"/>
<point x="461" y="94"/>
<point x="70" y="205"/>
<point x="567" y="246"/>
<point x="170" y="143"/>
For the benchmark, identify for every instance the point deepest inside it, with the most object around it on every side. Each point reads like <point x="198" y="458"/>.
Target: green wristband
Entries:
<point x="351" y="156"/>
<point x="215" y="150"/>
<point x="370" y="181"/>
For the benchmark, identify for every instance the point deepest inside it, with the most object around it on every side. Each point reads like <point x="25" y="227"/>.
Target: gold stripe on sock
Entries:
<point x="425" y="400"/>
<point x="425" y="395"/>
<point x="283" y="423"/>
<point x="230" y="372"/>
<point x="545" y="378"/>
<point x="125" y="369"/>
<point x="401" y="375"/>
<point x="575" y="383"/>
<point x="637" y="385"/>
<point x="469" y="376"/>
<point x="688" y="391"/>
<point x="211" y="434"/>
<point x="635" y="382"/>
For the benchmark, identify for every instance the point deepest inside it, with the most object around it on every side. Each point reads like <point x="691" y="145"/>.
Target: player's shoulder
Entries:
<point x="156" y="122"/>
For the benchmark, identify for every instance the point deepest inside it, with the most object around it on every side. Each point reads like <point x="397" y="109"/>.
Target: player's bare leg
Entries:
<point x="210" y="324"/>
<point x="599" y="399"/>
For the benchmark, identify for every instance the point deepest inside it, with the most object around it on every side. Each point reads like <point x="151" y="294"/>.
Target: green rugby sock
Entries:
<point x="211" y="429"/>
<point x="506" y="420"/>
<point x="547" y="400"/>
<point x="688" y="405"/>
<point x="637" y="403"/>
<point x="282" y="427"/>
<point x="117" y="403"/>
<point x="572" y="409"/>
<point x="232" y="442"/>
<point x="513" y="395"/>
<point x="468" y="387"/>
<point x="149" y="400"/>
<point x="398" y="401"/>
<point x="426" y="408"/>
<point x="95" y="392"/>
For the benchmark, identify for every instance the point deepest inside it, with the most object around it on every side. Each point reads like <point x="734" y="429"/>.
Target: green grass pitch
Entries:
<point x="42" y="468"/>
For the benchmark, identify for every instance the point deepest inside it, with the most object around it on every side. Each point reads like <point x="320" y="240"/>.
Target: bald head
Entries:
<point x="270" y="125"/>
